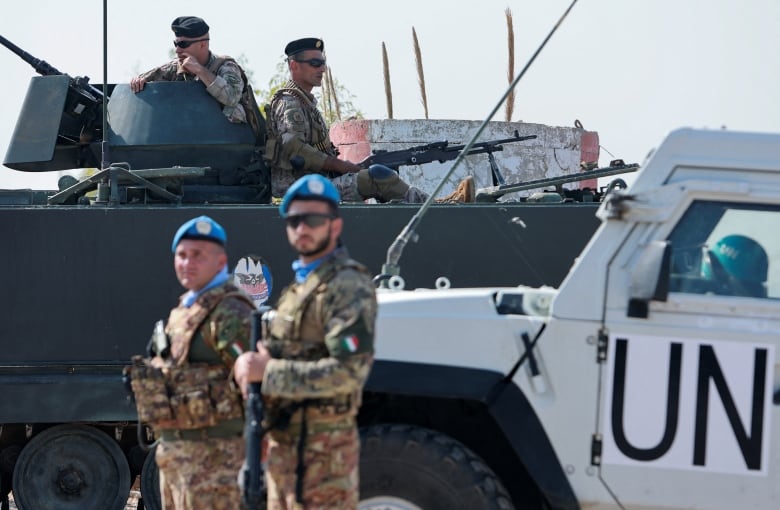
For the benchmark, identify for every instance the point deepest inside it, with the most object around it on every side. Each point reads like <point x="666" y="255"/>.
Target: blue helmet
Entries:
<point x="201" y="228"/>
<point x="310" y="187"/>
<point x="742" y="259"/>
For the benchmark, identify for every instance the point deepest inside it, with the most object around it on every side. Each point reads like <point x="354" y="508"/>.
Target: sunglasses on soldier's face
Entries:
<point x="314" y="62"/>
<point x="187" y="44"/>
<point x="311" y="220"/>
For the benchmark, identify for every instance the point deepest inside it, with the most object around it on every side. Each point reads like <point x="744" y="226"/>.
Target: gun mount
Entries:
<point x="37" y="133"/>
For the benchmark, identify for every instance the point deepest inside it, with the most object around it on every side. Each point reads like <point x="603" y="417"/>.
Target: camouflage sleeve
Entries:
<point x="232" y="321"/>
<point x="294" y="129"/>
<point x="350" y="313"/>
<point x="165" y="72"/>
<point x="227" y="89"/>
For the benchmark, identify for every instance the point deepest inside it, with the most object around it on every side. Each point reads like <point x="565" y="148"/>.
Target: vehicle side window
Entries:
<point x="727" y="249"/>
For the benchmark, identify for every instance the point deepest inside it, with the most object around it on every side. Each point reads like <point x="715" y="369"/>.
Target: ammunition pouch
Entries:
<point x="184" y="397"/>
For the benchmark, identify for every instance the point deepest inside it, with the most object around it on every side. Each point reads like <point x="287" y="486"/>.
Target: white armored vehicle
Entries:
<point x="647" y="380"/>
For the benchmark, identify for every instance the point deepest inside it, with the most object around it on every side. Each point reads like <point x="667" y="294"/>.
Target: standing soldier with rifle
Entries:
<point x="315" y="360"/>
<point x="298" y="142"/>
<point x="185" y="391"/>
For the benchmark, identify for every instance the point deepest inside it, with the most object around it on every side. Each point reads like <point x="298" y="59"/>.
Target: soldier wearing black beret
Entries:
<point x="222" y="76"/>
<point x="298" y="141"/>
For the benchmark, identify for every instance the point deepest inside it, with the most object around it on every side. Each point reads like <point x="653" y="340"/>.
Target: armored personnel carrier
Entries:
<point x="86" y="268"/>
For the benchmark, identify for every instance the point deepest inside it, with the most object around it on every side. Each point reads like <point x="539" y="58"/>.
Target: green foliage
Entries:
<point x="281" y="75"/>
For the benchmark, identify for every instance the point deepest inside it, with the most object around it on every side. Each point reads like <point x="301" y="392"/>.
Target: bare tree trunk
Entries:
<point x="420" y="75"/>
<point x="334" y="95"/>
<point x="388" y="90"/>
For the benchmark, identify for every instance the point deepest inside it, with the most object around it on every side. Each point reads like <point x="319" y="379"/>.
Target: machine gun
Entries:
<point x="83" y="103"/>
<point x="493" y="193"/>
<point x="441" y="152"/>
<point x="251" y="476"/>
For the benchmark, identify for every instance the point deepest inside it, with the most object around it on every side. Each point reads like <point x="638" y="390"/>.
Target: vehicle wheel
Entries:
<point x="403" y="467"/>
<point x="150" y="483"/>
<point x="71" y="467"/>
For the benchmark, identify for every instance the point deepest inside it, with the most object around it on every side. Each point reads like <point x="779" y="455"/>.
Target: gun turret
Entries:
<point x="79" y="124"/>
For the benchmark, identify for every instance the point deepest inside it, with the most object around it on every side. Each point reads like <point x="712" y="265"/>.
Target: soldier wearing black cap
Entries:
<point x="223" y="77"/>
<point x="298" y="141"/>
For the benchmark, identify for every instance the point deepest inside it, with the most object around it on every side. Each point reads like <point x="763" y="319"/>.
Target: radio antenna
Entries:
<point x="391" y="267"/>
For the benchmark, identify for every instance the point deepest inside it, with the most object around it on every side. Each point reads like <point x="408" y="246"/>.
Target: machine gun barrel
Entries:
<point x="437" y="151"/>
<point x="41" y="66"/>
<point x="45" y="69"/>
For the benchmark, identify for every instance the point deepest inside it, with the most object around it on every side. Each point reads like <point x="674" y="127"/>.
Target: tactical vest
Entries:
<point x="182" y="395"/>
<point x="317" y="137"/>
<point x="297" y="333"/>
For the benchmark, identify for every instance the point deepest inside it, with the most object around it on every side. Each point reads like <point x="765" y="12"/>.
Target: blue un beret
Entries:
<point x="310" y="187"/>
<point x="201" y="228"/>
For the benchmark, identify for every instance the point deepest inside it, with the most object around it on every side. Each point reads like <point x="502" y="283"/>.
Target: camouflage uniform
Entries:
<point x="231" y="88"/>
<point x="198" y="467"/>
<point x="322" y="342"/>
<point x="296" y="128"/>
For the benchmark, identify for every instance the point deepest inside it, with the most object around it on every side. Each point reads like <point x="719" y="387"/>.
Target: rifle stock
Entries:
<point x="437" y="151"/>
<point x="251" y="476"/>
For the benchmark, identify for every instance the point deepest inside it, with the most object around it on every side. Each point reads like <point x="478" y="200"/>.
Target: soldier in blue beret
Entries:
<point x="201" y="447"/>
<point x="298" y="140"/>
<point x="315" y="360"/>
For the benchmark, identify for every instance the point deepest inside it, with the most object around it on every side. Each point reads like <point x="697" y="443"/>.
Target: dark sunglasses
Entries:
<point x="314" y="62"/>
<point x="187" y="44"/>
<point x="311" y="220"/>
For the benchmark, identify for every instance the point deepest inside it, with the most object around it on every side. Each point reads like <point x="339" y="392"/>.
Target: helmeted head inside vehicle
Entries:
<point x="738" y="266"/>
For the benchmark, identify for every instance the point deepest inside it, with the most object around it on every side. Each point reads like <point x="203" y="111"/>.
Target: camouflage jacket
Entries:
<point x="215" y="329"/>
<point x="231" y="88"/>
<point x="295" y="128"/>
<point x="322" y="337"/>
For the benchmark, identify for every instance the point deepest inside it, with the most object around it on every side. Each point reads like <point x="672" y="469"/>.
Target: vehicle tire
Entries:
<point x="404" y="467"/>
<point x="150" y="483"/>
<point x="71" y="467"/>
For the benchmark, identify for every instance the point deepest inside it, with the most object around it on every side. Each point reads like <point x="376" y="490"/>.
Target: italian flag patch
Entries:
<point x="350" y="343"/>
<point x="236" y="349"/>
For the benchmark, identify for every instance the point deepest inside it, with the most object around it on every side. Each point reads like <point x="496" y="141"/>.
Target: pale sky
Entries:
<point x="632" y="70"/>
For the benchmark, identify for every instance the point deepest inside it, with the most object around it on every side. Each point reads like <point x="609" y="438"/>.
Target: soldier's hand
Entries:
<point x="250" y="367"/>
<point x="190" y="64"/>
<point x="137" y="84"/>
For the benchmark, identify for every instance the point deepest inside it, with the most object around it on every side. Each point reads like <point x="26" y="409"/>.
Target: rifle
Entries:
<point x="441" y="151"/>
<point x="493" y="193"/>
<point x="251" y="476"/>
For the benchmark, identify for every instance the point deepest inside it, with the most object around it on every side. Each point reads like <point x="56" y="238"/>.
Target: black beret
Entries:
<point x="189" y="26"/>
<point x="308" y="43"/>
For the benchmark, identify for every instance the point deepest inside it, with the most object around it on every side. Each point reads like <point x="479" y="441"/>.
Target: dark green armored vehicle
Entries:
<point x="86" y="269"/>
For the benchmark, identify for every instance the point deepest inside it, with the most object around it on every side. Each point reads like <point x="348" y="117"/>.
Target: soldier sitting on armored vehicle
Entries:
<point x="223" y="77"/>
<point x="298" y="141"/>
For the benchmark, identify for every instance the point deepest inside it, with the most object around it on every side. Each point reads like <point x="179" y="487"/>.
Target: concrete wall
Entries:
<point x="556" y="150"/>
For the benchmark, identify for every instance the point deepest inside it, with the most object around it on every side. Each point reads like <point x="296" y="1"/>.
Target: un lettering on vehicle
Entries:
<point x="686" y="403"/>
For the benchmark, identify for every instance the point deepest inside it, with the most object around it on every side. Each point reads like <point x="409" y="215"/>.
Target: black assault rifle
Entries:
<point x="251" y="476"/>
<point x="441" y="152"/>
